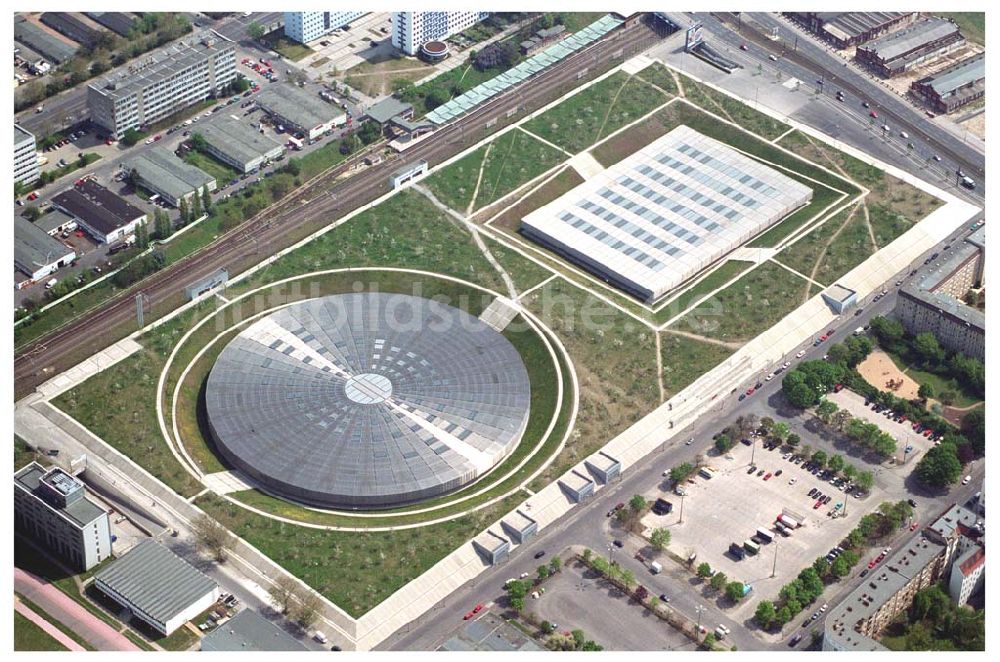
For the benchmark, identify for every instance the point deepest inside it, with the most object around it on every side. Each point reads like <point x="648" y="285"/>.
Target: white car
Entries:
<point x="800" y="354"/>
<point x="689" y="441"/>
<point x="904" y="135"/>
<point x="769" y="377"/>
<point x="786" y="365"/>
<point x="966" y="480"/>
<point x="791" y="481"/>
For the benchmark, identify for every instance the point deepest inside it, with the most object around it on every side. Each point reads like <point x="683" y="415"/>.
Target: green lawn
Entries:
<point x="30" y="637"/>
<point x="686" y="359"/>
<point x="130" y="426"/>
<point x="510" y="220"/>
<point x="660" y="76"/>
<point x="222" y="173"/>
<point x="972" y="24"/>
<point x="615" y="361"/>
<point x="292" y="50"/>
<point x="320" y="159"/>
<point x="720" y="275"/>
<point x="356" y="571"/>
<point x="23" y="454"/>
<point x="65" y="629"/>
<point x="586" y="117"/>
<point x="749" y="306"/>
<point x="511" y="160"/>
<point x="851" y="247"/>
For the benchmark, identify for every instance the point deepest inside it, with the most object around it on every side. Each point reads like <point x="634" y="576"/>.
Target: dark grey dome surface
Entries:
<point x="368" y="399"/>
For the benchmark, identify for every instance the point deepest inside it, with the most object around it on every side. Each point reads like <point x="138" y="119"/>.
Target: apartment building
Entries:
<point x="25" y="157"/>
<point x="856" y="622"/>
<point x="52" y="507"/>
<point x="192" y="69"/>
<point x="306" y="26"/>
<point x="412" y="29"/>
<point x="933" y="301"/>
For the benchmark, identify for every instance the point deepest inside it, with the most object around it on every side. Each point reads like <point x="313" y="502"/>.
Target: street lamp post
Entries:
<point x="774" y="566"/>
<point x="681" y="520"/>
<point x="699" y="609"/>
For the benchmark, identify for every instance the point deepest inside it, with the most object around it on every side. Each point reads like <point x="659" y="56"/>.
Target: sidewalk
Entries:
<point x="68" y="612"/>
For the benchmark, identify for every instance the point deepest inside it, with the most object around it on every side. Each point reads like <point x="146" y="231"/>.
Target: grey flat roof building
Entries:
<point x="249" y="631"/>
<point x="160" y="588"/>
<point x="36" y="253"/>
<point x="367" y="399"/>
<point x="906" y="48"/>
<point x="54" y="220"/>
<point x="388" y="109"/>
<point x="238" y="144"/>
<point x="118" y="21"/>
<point x="162" y="172"/>
<point x="50" y="46"/>
<point x="302" y="110"/>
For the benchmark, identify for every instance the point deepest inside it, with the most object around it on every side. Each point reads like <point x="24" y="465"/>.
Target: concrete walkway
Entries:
<point x="88" y="368"/>
<point x="71" y="614"/>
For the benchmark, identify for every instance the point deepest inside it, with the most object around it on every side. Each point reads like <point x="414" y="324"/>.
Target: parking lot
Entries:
<point x="731" y="506"/>
<point x="903" y="432"/>
<point x="577" y="598"/>
<point x="368" y="37"/>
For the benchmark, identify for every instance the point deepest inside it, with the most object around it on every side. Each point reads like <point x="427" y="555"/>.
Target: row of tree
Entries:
<point x="810" y="583"/>
<point x="858" y="430"/>
<point x="720" y="582"/>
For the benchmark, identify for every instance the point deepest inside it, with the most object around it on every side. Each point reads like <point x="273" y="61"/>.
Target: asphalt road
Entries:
<point x="809" y="61"/>
<point x="306" y="210"/>
<point x="588" y="525"/>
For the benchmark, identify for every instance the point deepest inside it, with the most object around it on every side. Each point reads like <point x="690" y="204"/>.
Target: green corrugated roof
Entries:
<point x="502" y="82"/>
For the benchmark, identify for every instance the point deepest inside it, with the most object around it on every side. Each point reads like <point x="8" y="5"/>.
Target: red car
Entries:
<point x="32" y="196"/>
<point x="767" y="476"/>
<point x="873" y="115"/>
<point x="749" y="390"/>
<point x="872" y="564"/>
<point x="478" y="608"/>
<point x="159" y="137"/>
<point x="468" y="615"/>
<point x="819" y="502"/>
<point x="838" y="388"/>
<point x="927" y="432"/>
<point x="913" y="527"/>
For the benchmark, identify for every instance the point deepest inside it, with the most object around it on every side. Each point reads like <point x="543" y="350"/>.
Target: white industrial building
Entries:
<point x="36" y="253"/>
<point x="306" y="26"/>
<point x="158" y="587"/>
<point x="412" y="29"/>
<point x="159" y="84"/>
<point x="655" y="219"/>
<point x="25" y="157"/>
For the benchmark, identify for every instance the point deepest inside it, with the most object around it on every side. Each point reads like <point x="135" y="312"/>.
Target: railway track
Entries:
<point x="301" y="213"/>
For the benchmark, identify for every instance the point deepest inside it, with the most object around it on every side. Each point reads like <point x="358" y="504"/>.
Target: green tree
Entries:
<point x="185" y="212"/>
<point x="925" y="391"/>
<point x="797" y="392"/>
<point x="555" y="565"/>
<point x="543" y="572"/>
<point x="819" y="457"/>
<point x="196" y="205"/>
<point x="628" y="579"/>
<point x="637" y="504"/>
<point x="836" y="463"/>
<point x="704" y="570"/>
<point x="723" y="443"/>
<point x="256" y="31"/>
<point x="709" y="641"/>
<point x="659" y="539"/>
<point x="781" y="431"/>
<point x="734" y="591"/>
<point x="825" y="410"/>
<point x="783" y="615"/>
<point x="32" y="213"/>
<point x="198" y="142"/>
<point x="142" y="237"/>
<point x="887" y="330"/>
<point x="131" y="137"/>
<point x="765" y="614"/>
<point x="928" y="348"/>
<point x="206" y="199"/>
<point x="681" y="471"/>
<point x="974" y="429"/>
<point x="939" y="467"/>
<point x="840" y="568"/>
<point x="719" y="581"/>
<point x="793" y="440"/>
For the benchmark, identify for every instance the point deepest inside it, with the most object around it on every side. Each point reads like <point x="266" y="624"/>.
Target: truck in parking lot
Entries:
<point x="655" y="568"/>
<point x="751" y="547"/>
<point x="765" y="534"/>
<point x="737" y="550"/>
<point x="706" y="473"/>
<point x="788" y="521"/>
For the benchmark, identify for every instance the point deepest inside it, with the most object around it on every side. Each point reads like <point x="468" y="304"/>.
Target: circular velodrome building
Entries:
<point x="367" y="400"/>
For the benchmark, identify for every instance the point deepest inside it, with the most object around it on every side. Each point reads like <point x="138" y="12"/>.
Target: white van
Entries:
<point x="49" y="284"/>
<point x="320" y="637"/>
<point x="655" y="567"/>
